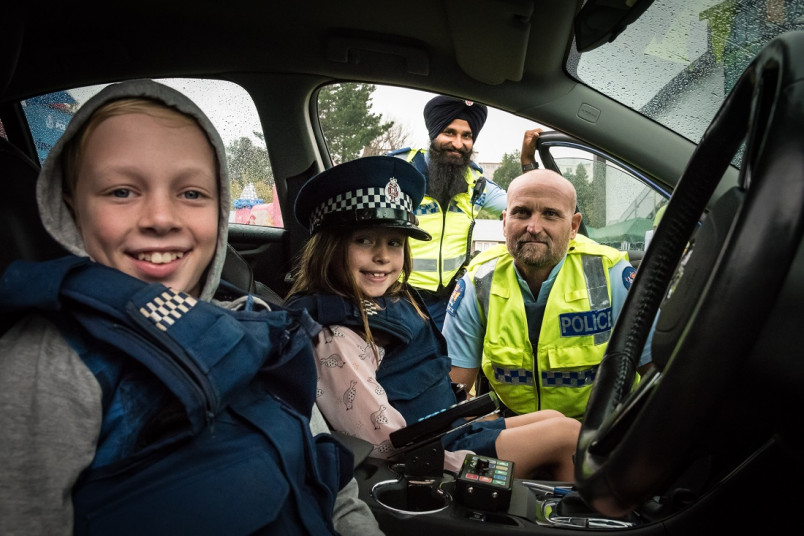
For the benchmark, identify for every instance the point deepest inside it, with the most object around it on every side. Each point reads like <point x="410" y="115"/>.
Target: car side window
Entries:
<point x="231" y="110"/>
<point x="383" y="119"/>
<point x="620" y="207"/>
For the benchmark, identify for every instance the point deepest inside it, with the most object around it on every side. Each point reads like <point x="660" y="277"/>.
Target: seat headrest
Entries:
<point x="22" y="235"/>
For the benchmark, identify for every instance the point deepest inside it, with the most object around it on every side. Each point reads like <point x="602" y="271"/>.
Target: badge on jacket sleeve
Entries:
<point x="456" y="297"/>
<point x="628" y="277"/>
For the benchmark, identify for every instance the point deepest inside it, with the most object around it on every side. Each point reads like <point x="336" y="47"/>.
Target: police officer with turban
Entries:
<point x="456" y="193"/>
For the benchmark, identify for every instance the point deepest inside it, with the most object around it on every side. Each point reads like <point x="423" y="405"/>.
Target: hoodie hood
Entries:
<point x="55" y="213"/>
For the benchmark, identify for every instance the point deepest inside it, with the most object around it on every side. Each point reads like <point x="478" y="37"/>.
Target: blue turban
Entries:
<point x="440" y="111"/>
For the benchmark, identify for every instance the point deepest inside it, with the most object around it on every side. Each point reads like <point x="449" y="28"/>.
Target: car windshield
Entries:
<point x="680" y="59"/>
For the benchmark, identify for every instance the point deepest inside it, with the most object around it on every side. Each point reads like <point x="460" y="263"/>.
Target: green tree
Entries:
<point x="264" y="191"/>
<point x="510" y="168"/>
<point x="585" y="189"/>
<point x="344" y="111"/>
<point x="248" y="162"/>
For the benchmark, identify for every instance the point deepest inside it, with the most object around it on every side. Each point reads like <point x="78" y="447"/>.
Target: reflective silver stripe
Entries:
<point x="482" y="281"/>
<point x="597" y="289"/>
<point x="431" y="265"/>
<point x="454" y="263"/>
<point x="425" y="265"/>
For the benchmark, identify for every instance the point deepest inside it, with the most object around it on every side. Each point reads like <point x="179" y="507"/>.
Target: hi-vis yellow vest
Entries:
<point x="574" y="332"/>
<point x="437" y="261"/>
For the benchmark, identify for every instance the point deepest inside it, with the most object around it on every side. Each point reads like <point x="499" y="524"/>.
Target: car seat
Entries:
<point x="237" y="273"/>
<point x="23" y="236"/>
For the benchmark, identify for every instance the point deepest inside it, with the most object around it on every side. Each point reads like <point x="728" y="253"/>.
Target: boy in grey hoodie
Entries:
<point x="138" y="182"/>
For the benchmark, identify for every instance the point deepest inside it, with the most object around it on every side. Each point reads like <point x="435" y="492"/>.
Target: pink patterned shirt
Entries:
<point x="351" y="399"/>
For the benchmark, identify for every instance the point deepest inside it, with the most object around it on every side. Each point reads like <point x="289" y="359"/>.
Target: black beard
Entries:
<point x="446" y="179"/>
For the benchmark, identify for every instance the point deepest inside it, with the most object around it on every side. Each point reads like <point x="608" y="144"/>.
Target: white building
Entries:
<point x="487" y="233"/>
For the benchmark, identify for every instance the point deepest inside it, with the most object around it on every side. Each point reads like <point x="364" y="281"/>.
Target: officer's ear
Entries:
<point x="503" y="217"/>
<point x="576" y="224"/>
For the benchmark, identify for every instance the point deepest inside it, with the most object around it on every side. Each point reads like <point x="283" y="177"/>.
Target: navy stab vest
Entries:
<point x="415" y="369"/>
<point x="206" y="411"/>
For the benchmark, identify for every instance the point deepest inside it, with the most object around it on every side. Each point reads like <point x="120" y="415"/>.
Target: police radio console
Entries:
<point x="441" y="422"/>
<point x="485" y="483"/>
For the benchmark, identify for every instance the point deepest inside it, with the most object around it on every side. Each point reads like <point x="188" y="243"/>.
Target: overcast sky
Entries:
<point x="501" y="134"/>
<point x="222" y="101"/>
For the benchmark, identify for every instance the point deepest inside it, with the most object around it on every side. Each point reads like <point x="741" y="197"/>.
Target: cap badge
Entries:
<point x="469" y="103"/>
<point x="392" y="190"/>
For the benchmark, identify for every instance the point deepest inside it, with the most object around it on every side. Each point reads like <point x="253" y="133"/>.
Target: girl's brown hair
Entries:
<point x="323" y="266"/>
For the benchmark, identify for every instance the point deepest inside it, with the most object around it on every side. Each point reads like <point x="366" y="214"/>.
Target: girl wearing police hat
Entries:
<point x="381" y="361"/>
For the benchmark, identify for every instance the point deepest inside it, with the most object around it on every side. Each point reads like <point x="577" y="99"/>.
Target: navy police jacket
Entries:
<point x="205" y="411"/>
<point x="415" y="370"/>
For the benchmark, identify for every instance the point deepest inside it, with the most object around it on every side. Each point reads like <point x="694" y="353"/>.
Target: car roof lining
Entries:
<point x="508" y="47"/>
<point x="421" y="48"/>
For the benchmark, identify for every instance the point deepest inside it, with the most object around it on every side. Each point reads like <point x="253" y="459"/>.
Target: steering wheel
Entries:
<point x="716" y="283"/>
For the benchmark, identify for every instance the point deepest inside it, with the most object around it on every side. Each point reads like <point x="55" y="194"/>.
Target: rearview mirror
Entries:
<point x="601" y="21"/>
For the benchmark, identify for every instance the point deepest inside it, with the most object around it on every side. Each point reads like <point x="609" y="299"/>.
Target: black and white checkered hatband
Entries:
<point x="365" y="204"/>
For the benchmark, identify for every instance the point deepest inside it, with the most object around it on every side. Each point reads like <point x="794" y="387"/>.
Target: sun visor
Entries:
<point x="490" y="37"/>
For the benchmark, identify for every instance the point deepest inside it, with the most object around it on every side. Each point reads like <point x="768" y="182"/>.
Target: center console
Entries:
<point x="417" y="496"/>
<point x="447" y="506"/>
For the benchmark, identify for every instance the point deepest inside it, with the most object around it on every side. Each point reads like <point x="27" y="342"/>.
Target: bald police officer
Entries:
<point x="537" y="312"/>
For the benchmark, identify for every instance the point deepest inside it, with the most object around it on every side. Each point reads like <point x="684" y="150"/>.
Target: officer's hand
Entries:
<point x="528" y="154"/>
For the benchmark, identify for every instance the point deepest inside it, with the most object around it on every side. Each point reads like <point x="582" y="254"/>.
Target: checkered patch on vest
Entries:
<point x="168" y="307"/>
<point x="513" y="376"/>
<point x="580" y="378"/>
<point x="364" y="198"/>
<point x="427" y="208"/>
<point x="370" y="307"/>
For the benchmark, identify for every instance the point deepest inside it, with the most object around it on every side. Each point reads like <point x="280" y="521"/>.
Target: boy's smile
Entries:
<point x="146" y="199"/>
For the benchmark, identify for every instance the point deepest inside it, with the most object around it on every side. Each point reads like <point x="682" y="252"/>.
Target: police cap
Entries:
<point x="371" y="191"/>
